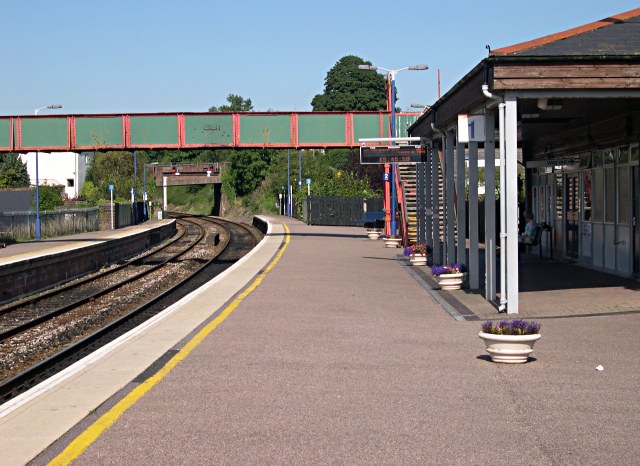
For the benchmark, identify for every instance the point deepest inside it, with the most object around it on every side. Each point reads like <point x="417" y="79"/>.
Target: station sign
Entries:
<point x="392" y="154"/>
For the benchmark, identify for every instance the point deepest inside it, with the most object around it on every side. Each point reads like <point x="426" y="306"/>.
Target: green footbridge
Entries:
<point x="293" y="130"/>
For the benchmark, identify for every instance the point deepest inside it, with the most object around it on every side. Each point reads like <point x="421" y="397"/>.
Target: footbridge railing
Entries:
<point x="295" y="130"/>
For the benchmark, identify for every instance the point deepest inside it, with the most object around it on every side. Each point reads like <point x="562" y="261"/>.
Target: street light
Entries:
<point x="144" y="186"/>
<point x="36" y="111"/>
<point x="391" y="75"/>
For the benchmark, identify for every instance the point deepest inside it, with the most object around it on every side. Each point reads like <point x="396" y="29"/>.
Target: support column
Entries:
<point x="474" y="256"/>
<point x="428" y="196"/>
<point x="490" y="206"/>
<point x="511" y="172"/>
<point x="436" y="201"/>
<point x="461" y="207"/>
<point x="421" y="202"/>
<point x="450" y="246"/>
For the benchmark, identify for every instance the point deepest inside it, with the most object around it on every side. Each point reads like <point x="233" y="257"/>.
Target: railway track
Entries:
<point x="45" y="333"/>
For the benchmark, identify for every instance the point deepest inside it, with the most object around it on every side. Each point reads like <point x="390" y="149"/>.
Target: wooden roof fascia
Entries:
<point x="566" y="34"/>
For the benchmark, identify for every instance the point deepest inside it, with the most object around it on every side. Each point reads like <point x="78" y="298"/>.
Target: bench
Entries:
<point x="537" y="236"/>
<point x="372" y="220"/>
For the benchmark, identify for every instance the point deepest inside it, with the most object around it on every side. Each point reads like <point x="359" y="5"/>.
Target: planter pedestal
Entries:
<point x="392" y="242"/>
<point x="418" y="259"/>
<point x="511" y="349"/>
<point x="373" y="235"/>
<point x="450" y="281"/>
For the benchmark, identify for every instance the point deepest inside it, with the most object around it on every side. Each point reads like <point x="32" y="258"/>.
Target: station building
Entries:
<point x="566" y="109"/>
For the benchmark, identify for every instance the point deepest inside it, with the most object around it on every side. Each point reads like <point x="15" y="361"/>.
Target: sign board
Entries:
<point x="308" y="180"/>
<point x="470" y="128"/>
<point x="392" y="154"/>
<point x="111" y="187"/>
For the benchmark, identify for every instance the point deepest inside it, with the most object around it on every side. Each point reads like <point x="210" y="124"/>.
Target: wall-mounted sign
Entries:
<point x="392" y="154"/>
<point x="470" y="128"/>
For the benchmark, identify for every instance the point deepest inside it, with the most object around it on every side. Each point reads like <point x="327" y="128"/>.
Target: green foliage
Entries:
<point x="112" y="168"/>
<point x="13" y="173"/>
<point x="348" y="88"/>
<point x="188" y="199"/>
<point x="90" y="193"/>
<point x="249" y="168"/>
<point x="50" y="197"/>
<point x="236" y="104"/>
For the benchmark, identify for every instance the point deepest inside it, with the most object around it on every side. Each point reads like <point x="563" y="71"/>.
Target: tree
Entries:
<point x="236" y="104"/>
<point x="50" y="197"/>
<point x="13" y="173"/>
<point x="248" y="169"/>
<point x="114" y="168"/>
<point x="348" y="88"/>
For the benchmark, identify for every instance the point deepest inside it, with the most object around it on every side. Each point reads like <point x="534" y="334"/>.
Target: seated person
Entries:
<point x="529" y="228"/>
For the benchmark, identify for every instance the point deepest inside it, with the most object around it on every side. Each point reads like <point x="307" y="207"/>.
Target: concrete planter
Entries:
<point x="418" y="259"/>
<point x="510" y="349"/>
<point x="373" y="235"/>
<point x="392" y="242"/>
<point x="450" y="281"/>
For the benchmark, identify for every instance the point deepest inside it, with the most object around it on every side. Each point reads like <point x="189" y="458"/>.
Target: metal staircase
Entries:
<point x="407" y="179"/>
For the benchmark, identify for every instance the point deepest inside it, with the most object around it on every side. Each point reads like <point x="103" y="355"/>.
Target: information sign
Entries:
<point x="392" y="154"/>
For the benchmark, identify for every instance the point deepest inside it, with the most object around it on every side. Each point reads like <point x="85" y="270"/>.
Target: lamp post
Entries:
<point x="391" y="103"/>
<point x="144" y="187"/>
<point x="36" y="111"/>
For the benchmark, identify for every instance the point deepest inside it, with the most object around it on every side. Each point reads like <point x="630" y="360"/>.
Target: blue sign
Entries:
<point x="308" y="181"/>
<point x="386" y="177"/>
<point x="111" y="187"/>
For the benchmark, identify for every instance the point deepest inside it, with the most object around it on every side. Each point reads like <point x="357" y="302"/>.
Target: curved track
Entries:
<point x="60" y="326"/>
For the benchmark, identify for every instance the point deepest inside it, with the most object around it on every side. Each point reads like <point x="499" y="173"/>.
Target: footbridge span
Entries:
<point x="286" y="130"/>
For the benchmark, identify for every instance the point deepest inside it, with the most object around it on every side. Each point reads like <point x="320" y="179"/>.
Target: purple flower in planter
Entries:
<point x="438" y="270"/>
<point x="511" y="327"/>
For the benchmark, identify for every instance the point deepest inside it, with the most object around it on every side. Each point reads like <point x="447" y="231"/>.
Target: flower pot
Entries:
<point x="373" y="235"/>
<point x="450" y="281"/>
<point x="418" y="259"/>
<point x="511" y="349"/>
<point x="392" y="242"/>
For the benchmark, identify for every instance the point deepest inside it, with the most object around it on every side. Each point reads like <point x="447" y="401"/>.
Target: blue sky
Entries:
<point x="131" y="56"/>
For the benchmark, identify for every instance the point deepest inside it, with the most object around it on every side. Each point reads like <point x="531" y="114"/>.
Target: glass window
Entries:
<point x="585" y="161"/>
<point x="559" y="196"/>
<point x="596" y="158"/>
<point x="609" y="195"/>
<point x="598" y="196"/>
<point x="609" y="156"/>
<point x="586" y="196"/>
<point x="635" y="151"/>
<point x="623" y="155"/>
<point x="624" y="199"/>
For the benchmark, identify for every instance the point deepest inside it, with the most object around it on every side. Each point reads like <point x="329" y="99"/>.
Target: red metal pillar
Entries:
<point x="387" y="199"/>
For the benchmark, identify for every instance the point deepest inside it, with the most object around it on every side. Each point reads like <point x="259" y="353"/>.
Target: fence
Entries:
<point x="338" y="210"/>
<point x="22" y="225"/>
<point x="124" y="214"/>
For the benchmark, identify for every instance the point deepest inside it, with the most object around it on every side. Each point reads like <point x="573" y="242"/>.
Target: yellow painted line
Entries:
<point x="94" y="431"/>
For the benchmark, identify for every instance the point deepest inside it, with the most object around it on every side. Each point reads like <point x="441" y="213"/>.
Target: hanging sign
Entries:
<point x="392" y="154"/>
<point x="470" y="128"/>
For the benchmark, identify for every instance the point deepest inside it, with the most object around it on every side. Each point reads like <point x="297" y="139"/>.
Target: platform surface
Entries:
<point x="338" y="354"/>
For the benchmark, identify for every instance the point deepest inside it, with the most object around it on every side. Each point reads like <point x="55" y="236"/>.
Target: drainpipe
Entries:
<point x="503" y="207"/>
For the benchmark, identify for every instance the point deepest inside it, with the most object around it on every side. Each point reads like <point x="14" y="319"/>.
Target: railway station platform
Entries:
<point x="322" y="346"/>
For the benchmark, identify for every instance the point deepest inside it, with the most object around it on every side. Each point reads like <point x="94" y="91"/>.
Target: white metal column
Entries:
<point x="460" y="203"/>
<point x="474" y="257"/>
<point x="428" y="195"/>
<point x="511" y="171"/>
<point x="436" y="201"/>
<point x="490" y="206"/>
<point x="450" y="245"/>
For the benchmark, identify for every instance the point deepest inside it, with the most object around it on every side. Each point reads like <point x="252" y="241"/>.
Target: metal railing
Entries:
<point x="22" y="225"/>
